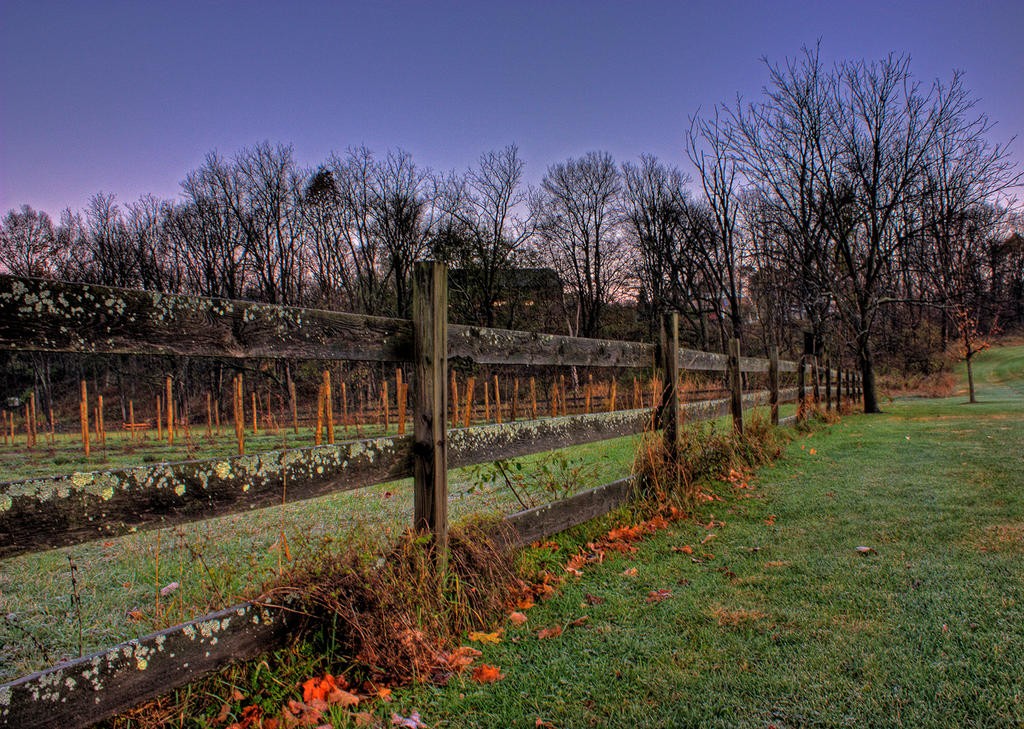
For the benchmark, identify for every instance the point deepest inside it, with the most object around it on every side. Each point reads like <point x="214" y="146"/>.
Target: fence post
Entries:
<point x="430" y="401"/>
<point x="773" y="382"/>
<point x="736" y="385"/>
<point x="801" y="387"/>
<point x="828" y="383"/>
<point x="668" y="411"/>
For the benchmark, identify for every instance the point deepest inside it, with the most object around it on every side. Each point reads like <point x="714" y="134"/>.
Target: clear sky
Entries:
<point x="126" y="97"/>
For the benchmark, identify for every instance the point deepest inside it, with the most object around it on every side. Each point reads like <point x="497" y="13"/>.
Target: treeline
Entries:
<point x="849" y="201"/>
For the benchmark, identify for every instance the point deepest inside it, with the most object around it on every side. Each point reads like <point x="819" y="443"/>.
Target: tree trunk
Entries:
<point x="970" y="378"/>
<point x="867" y="370"/>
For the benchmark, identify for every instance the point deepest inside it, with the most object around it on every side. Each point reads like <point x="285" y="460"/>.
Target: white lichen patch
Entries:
<point x="81" y="480"/>
<point x="179" y="490"/>
<point x="222" y="469"/>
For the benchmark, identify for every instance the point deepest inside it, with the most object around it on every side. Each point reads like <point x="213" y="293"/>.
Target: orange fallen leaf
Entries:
<point x="631" y="572"/>
<point x="770" y="520"/>
<point x="685" y="549"/>
<point x="582" y="620"/>
<point x="525" y="604"/>
<point x="708" y="538"/>
<point x="593" y="599"/>
<point x="517" y="618"/>
<point x="553" y="632"/>
<point x="486" y="673"/>
<point x="485" y="638"/>
<point x="813" y="452"/>
<point x="659" y="595"/>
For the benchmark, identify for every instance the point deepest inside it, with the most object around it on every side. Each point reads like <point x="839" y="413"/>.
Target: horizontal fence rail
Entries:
<point x="54" y="316"/>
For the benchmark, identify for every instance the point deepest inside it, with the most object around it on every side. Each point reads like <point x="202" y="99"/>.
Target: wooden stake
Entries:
<point x="553" y="399"/>
<point x="533" y="397"/>
<point x="28" y="426"/>
<point x="497" y="399"/>
<point x="561" y="395"/>
<point x="53" y="435"/>
<point x="613" y="391"/>
<point x="455" y="400"/>
<point x="159" y="420"/>
<point x="329" y="406"/>
<point x="84" y="409"/>
<point x="515" y="400"/>
<point x="216" y="416"/>
<point x="400" y="396"/>
<point x="385" y="406"/>
<point x="169" y="407"/>
<point x="470" y="386"/>
<point x="588" y="395"/>
<point x="487" y="401"/>
<point x="131" y="418"/>
<point x="209" y="415"/>
<point x="239" y="408"/>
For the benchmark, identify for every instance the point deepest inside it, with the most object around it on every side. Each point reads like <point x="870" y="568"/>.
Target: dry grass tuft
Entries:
<point x="735" y="618"/>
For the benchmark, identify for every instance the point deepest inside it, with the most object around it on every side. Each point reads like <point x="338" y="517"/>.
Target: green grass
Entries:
<point x="221" y="561"/>
<point x="788" y="624"/>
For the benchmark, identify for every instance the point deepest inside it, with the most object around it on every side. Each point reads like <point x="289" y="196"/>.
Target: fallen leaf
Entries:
<point x="685" y="549"/>
<point x="659" y="595"/>
<point x="383" y="693"/>
<point x="593" y="599"/>
<point x="225" y="709"/>
<point x="251" y="716"/>
<point x="579" y="621"/>
<point x="541" y="724"/>
<point x="135" y="615"/>
<point x="770" y="520"/>
<point x="631" y="572"/>
<point x="319" y="689"/>
<point x="708" y="538"/>
<point x="343" y="698"/>
<point x="517" y="618"/>
<point x="168" y="589"/>
<point x="486" y="638"/>
<point x="460" y="658"/>
<point x="813" y="452"/>
<point x="364" y="718"/>
<point x="866" y="550"/>
<point x="525" y="604"/>
<point x="485" y="673"/>
<point x="553" y="632"/>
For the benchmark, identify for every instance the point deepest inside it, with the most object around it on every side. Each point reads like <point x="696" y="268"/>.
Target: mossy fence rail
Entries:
<point x="43" y="513"/>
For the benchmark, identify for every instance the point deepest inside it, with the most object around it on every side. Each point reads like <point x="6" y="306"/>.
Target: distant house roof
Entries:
<point x="518" y="280"/>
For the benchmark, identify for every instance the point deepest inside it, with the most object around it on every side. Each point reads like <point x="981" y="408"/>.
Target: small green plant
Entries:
<point x="555" y="476"/>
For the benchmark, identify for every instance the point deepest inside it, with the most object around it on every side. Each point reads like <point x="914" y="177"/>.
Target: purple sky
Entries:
<point x="126" y="97"/>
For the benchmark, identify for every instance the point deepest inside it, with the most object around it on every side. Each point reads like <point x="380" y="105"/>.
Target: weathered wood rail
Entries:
<point x="44" y="513"/>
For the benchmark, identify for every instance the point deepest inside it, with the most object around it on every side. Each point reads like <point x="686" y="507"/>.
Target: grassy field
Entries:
<point x="777" y="619"/>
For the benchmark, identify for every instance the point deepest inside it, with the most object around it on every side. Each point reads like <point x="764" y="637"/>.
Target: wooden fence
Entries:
<point x="43" y="513"/>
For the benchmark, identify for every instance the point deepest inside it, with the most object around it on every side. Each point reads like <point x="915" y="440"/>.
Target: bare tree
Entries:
<point x="577" y="221"/>
<point x="658" y="216"/>
<point x="482" y="232"/>
<point x="720" y="240"/>
<point x="27" y="243"/>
